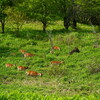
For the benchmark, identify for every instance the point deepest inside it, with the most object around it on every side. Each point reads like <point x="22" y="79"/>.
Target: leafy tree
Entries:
<point x="5" y="5"/>
<point x="39" y="10"/>
<point x="65" y="10"/>
<point x="17" y="19"/>
<point x="89" y="11"/>
<point x="3" y="15"/>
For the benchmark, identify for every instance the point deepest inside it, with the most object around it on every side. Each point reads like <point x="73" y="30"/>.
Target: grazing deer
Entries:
<point x="33" y="73"/>
<point x="28" y="55"/>
<point x="56" y="62"/>
<point x="10" y="65"/>
<point x="22" y="68"/>
<point x="56" y="48"/>
<point x="22" y="51"/>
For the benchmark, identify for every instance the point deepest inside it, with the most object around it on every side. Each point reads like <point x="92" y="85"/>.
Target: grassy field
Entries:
<point x="78" y="78"/>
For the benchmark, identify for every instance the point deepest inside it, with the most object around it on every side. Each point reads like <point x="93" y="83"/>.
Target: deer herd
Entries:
<point x="34" y="73"/>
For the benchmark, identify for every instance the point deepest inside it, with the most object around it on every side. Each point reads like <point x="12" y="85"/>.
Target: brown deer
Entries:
<point x="56" y="62"/>
<point x="10" y="65"/>
<point x="22" y="68"/>
<point x="33" y="73"/>
<point x="22" y="51"/>
<point x="29" y="55"/>
<point x="56" y="48"/>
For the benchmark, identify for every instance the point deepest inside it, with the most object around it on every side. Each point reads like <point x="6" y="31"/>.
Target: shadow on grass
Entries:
<point x="37" y="34"/>
<point x="40" y="35"/>
<point x="6" y="51"/>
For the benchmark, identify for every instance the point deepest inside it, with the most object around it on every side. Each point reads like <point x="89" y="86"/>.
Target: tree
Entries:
<point x="2" y="20"/>
<point x="65" y="10"/>
<point x="89" y="11"/>
<point x="17" y="19"/>
<point x="3" y="15"/>
<point x="39" y="10"/>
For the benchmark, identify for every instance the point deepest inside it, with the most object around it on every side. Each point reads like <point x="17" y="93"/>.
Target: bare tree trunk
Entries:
<point x="99" y="27"/>
<point x="74" y="23"/>
<point x="74" y="12"/>
<point x="3" y="26"/>
<point x="44" y="26"/>
<point x="66" y="22"/>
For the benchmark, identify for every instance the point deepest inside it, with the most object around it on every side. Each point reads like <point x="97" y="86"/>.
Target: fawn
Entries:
<point x="33" y="73"/>
<point x="22" y="68"/>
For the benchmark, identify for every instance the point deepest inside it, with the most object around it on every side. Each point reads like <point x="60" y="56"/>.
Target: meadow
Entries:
<point x="78" y="78"/>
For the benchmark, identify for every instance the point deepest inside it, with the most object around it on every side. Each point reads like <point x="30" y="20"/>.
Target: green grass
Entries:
<point x="72" y="80"/>
<point x="35" y="96"/>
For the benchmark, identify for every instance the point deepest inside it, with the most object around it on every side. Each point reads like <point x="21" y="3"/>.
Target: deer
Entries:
<point x="29" y="55"/>
<point x="10" y="65"/>
<point x="22" y="68"/>
<point x="22" y="51"/>
<point x="56" y="48"/>
<point x="33" y="73"/>
<point x="26" y="54"/>
<point x="56" y="62"/>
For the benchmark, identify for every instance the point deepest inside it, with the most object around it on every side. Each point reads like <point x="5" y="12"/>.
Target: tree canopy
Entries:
<point x="70" y="11"/>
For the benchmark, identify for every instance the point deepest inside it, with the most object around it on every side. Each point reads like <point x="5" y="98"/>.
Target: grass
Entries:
<point x="72" y="80"/>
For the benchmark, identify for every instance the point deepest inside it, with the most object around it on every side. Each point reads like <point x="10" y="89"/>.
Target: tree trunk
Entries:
<point x="99" y="27"/>
<point x="66" y="22"/>
<point x="74" y="23"/>
<point x="3" y="26"/>
<point x="44" y="26"/>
